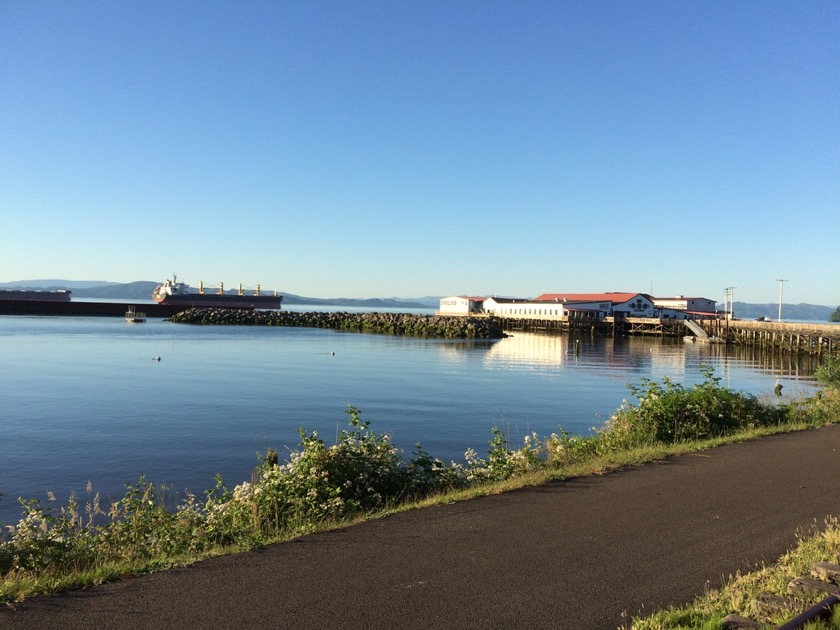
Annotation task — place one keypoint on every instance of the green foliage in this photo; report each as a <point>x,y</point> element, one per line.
<point>564,449</point>
<point>363,471</point>
<point>503,462</point>
<point>835,316</point>
<point>142,527</point>
<point>669,413</point>
<point>46,537</point>
<point>828,372</point>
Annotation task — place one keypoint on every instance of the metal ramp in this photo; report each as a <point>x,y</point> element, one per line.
<point>696,329</point>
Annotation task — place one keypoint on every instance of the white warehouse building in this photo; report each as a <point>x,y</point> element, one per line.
<point>580,305</point>
<point>693,306</point>
<point>461,305</point>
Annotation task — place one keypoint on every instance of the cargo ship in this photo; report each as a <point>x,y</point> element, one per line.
<point>177,293</point>
<point>29,295</point>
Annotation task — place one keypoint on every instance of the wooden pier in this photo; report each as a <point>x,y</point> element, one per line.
<point>594,326</point>
<point>813,339</point>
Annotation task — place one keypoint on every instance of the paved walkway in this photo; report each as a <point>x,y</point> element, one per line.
<point>575,554</point>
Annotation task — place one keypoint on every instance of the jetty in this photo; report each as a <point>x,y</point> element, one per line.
<point>89,309</point>
<point>431,326</point>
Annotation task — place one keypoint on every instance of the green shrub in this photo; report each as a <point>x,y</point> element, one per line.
<point>828,372</point>
<point>564,449</point>
<point>47,537</point>
<point>362,471</point>
<point>668,412</point>
<point>502,461</point>
<point>142,527</point>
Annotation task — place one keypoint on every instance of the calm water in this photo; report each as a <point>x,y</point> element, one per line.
<point>81,399</point>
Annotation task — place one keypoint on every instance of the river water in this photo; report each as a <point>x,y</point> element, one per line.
<point>86,399</point>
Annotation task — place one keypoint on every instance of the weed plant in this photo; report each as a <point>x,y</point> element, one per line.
<point>362,474</point>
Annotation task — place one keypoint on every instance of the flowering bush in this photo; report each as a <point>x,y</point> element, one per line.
<point>503,462</point>
<point>362,471</point>
<point>45,537</point>
<point>565,449</point>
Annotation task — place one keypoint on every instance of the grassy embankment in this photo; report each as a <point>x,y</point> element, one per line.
<point>743,594</point>
<point>363,476</point>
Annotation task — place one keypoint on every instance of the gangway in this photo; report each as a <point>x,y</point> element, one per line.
<point>696,329</point>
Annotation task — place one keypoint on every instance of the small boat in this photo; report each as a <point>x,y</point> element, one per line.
<point>133,317</point>
<point>713,340</point>
<point>689,338</point>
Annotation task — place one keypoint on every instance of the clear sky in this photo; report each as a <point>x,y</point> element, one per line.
<point>380,148</point>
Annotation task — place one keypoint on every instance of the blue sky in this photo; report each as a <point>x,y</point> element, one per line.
<point>374,149</point>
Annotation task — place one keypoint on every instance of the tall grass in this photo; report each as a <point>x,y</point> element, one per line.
<point>55,546</point>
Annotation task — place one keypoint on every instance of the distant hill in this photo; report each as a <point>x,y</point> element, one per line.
<point>54,285</point>
<point>140,290</point>
<point>300,300</point>
<point>807,312</point>
<point>428,301</point>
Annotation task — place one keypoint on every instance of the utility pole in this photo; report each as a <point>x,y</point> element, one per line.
<point>781,282</point>
<point>729,302</point>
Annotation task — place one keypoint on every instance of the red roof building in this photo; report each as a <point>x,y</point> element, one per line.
<point>614,297</point>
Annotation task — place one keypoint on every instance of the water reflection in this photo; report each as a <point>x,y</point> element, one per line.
<point>772,361</point>
<point>652,357</point>
<point>462,351</point>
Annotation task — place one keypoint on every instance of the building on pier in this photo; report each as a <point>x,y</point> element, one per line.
<point>525,308</point>
<point>632,314</point>
<point>461,305</point>
<point>560,306</point>
<point>615,304</point>
<point>682,307</point>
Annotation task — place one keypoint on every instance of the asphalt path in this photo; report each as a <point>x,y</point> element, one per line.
<point>576,554</point>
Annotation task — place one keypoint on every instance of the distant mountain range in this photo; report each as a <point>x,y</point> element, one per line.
<point>807,312</point>
<point>142,290</point>
<point>54,285</point>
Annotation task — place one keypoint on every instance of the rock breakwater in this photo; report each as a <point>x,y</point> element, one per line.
<point>386,323</point>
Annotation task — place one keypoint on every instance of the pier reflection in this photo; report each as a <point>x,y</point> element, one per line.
<point>538,351</point>
<point>773,361</point>
<point>653,356</point>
